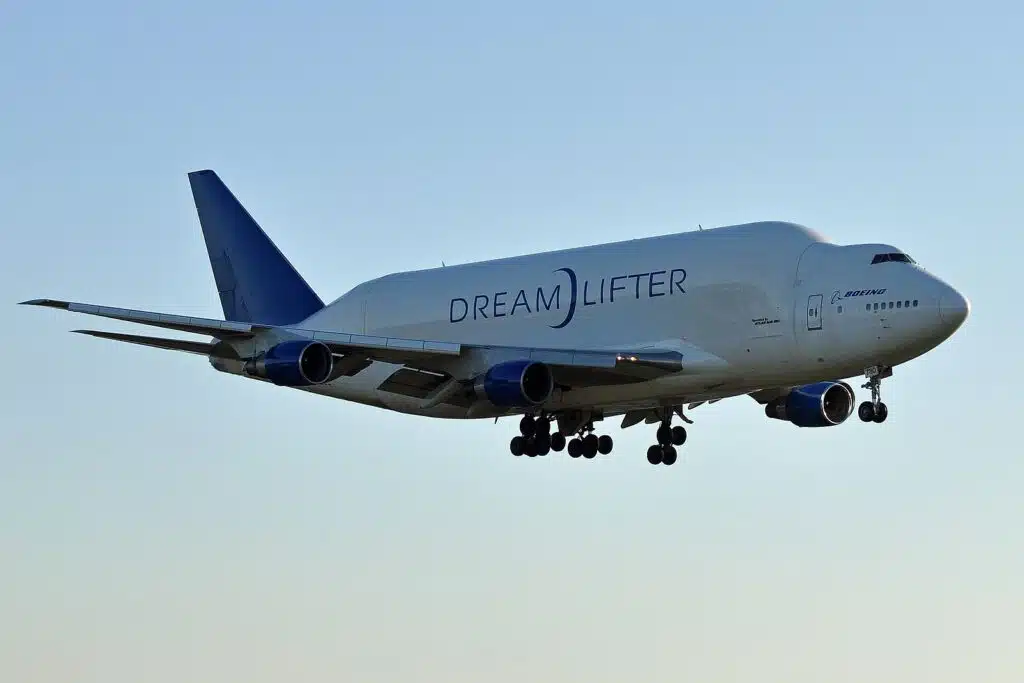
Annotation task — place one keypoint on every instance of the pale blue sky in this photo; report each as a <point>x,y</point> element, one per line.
<point>162,522</point>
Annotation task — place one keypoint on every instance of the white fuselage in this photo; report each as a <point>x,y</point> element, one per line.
<point>776,302</point>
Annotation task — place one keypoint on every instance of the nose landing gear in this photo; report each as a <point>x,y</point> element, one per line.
<point>874,410</point>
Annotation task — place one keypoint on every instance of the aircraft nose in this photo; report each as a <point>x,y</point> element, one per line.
<point>954,308</point>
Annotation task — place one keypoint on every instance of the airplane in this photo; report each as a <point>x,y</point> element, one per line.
<point>645,329</point>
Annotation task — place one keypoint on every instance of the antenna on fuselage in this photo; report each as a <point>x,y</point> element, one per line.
<point>700,227</point>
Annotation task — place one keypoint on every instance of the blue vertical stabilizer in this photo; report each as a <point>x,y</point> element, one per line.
<point>256,282</point>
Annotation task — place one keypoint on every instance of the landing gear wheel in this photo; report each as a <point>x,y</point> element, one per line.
<point>530,449</point>
<point>517,445</point>
<point>874,411</point>
<point>654,455</point>
<point>542,426</point>
<point>527,426</point>
<point>678,435</point>
<point>668,455</point>
<point>557,442</point>
<point>590,444</point>
<point>604,444</point>
<point>664,435</point>
<point>575,448</point>
<point>543,447</point>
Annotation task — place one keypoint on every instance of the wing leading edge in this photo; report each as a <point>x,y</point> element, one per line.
<point>572,367</point>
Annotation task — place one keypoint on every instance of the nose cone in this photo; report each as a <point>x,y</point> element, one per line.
<point>953,309</point>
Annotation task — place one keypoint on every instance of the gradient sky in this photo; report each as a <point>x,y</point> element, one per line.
<point>163,522</point>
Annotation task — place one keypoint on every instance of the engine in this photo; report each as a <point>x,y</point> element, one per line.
<point>293,364</point>
<point>518,383</point>
<point>824,404</point>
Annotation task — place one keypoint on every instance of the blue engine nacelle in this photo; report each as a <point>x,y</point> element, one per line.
<point>516,384</point>
<point>294,364</point>
<point>824,404</point>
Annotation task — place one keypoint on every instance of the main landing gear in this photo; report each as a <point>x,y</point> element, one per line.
<point>874,410</point>
<point>536,439</point>
<point>664,452</point>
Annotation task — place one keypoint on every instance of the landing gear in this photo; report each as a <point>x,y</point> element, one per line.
<point>557,442</point>
<point>659,455</point>
<point>536,439</point>
<point>590,445</point>
<point>874,410</point>
<point>669,437</point>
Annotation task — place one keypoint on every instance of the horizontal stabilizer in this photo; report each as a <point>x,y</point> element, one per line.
<point>201,348</point>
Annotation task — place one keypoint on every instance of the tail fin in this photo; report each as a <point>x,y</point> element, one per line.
<point>256,282</point>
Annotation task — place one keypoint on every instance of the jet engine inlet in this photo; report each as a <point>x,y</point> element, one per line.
<point>294,364</point>
<point>824,404</point>
<point>516,384</point>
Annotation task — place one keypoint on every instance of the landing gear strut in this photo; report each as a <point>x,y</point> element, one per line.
<point>664,452</point>
<point>874,410</point>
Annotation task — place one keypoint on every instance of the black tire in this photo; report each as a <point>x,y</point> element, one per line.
<point>866,411</point>
<point>678,435</point>
<point>527,426</point>
<point>589,446</point>
<point>517,445</point>
<point>669,455</point>
<point>664,435</point>
<point>557,442</point>
<point>543,442</point>
<point>530,450</point>
<point>654,455</point>
<point>542,426</point>
<point>881,412</point>
<point>575,448</point>
<point>604,444</point>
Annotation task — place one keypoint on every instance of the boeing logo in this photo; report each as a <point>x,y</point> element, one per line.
<point>836,296</point>
<point>595,292</point>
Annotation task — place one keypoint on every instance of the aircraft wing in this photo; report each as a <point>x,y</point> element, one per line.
<point>571,367</point>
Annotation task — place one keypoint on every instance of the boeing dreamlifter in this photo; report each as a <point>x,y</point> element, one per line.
<point>640,329</point>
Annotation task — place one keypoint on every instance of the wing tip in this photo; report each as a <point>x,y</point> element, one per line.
<point>49,303</point>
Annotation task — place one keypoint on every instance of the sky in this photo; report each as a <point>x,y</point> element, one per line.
<point>160,521</point>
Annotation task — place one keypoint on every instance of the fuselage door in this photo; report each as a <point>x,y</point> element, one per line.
<point>814,302</point>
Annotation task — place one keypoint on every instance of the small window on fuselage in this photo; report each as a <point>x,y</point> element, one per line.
<point>899,304</point>
<point>915,303</point>
<point>876,306</point>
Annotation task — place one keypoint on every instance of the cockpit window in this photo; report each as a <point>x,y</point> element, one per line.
<point>901,258</point>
